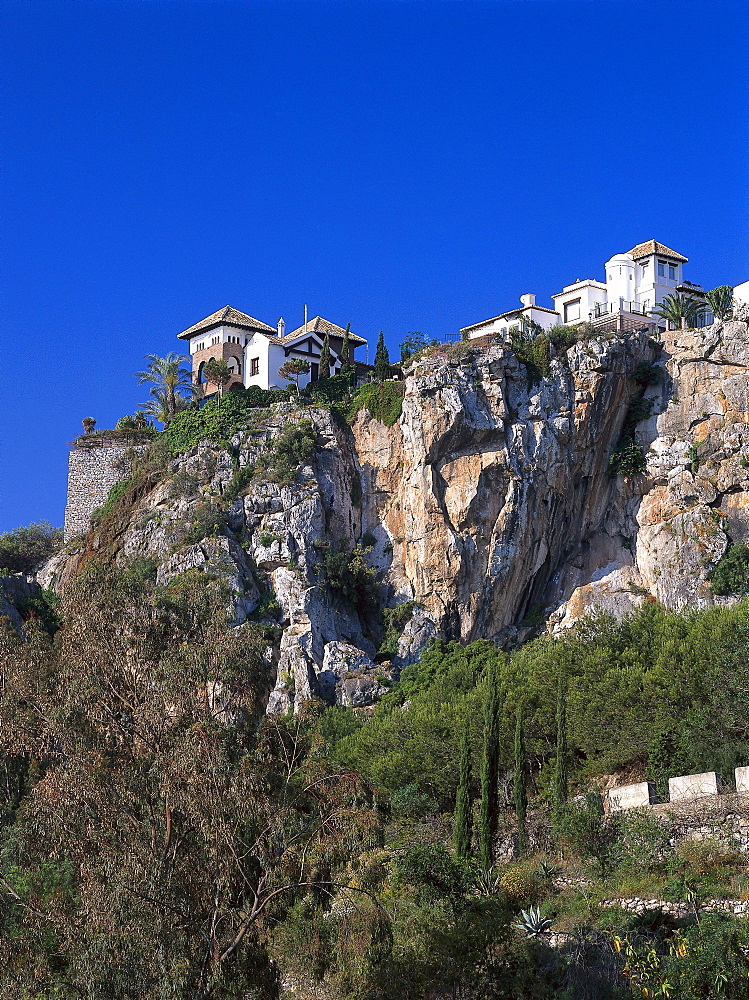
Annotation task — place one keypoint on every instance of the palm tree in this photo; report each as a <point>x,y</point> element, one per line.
<point>219,373</point>
<point>720,301</point>
<point>679,310</point>
<point>168,376</point>
<point>161,408</point>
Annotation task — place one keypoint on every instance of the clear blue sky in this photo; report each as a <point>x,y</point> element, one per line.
<point>396,165</point>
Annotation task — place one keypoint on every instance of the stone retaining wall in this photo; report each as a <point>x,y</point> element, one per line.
<point>92,472</point>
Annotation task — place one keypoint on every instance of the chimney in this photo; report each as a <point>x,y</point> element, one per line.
<point>281,326</point>
<point>529,299</point>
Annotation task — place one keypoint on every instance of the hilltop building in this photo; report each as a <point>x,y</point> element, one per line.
<point>636,283</point>
<point>255,351</point>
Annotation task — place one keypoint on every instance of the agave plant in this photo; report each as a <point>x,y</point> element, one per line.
<point>679,310</point>
<point>720,301</point>
<point>532,923</point>
<point>487,882</point>
<point>548,871</point>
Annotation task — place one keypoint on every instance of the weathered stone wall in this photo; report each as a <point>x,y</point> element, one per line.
<point>92,472</point>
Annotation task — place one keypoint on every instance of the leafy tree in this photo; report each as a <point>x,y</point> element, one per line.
<point>133,422</point>
<point>27,548</point>
<point>324,369</point>
<point>463,812</point>
<point>293,369</point>
<point>520,794</point>
<point>415,341</point>
<point>382,359</point>
<point>162,808</point>
<point>160,407</point>
<point>678,309</point>
<point>720,301</point>
<point>561,761</point>
<point>218,372</point>
<point>169,377</point>
<point>489,815</point>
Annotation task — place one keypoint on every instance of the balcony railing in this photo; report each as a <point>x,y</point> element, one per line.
<point>625,306</point>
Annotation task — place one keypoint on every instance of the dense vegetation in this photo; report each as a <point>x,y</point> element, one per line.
<point>26,548</point>
<point>159,841</point>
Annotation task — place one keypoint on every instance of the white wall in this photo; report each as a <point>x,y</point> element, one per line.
<point>589,292</point>
<point>741,292</point>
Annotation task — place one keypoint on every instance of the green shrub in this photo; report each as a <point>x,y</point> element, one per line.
<point>731,575</point>
<point>116,493</point>
<point>43,607</point>
<point>395,620</point>
<point>384,400</point>
<point>411,803</point>
<point>346,573</point>
<point>206,520</point>
<point>647,374</point>
<point>330,390</point>
<point>25,549</point>
<point>535,355</point>
<point>294,447</point>
<point>218,421</point>
<point>627,460</point>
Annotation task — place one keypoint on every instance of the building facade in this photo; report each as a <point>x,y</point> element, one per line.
<point>255,352</point>
<point>636,283</point>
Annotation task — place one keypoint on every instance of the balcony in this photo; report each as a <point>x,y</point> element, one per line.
<point>624,317</point>
<point>610,308</point>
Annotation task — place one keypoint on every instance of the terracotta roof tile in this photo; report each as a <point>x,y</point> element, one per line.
<point>227,315</point>
<point>322,326</point>
<point>652,247</point>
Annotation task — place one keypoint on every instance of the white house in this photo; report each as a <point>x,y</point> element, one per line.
<point>255,351</point>
<point>511,320</point>
<point>636,283</point>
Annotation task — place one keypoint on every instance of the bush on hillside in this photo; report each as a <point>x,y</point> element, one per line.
<point>731,575</point>
<point>384,400</point>
<point>218,421</point>
<point>25,549</point>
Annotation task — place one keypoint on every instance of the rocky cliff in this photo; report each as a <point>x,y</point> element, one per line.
<point>488,504</point>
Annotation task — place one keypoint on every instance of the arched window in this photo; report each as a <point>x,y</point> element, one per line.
<point>200,376</point>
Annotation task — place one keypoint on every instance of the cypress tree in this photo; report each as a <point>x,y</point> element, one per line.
<point>347,366</point>
<point>324,368</point>
<point>560,768</point>
<point>382,359</point>
<point>462,829</point>
<point>519,791</point>
<point>489,815</point>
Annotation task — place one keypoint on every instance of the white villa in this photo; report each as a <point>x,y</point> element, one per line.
<point>636,282</point>
<point>255,351</point>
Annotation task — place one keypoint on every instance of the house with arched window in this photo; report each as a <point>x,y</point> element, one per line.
<point>255,351</point>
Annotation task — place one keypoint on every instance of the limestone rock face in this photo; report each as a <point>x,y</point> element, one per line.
<point>491,496</point>
<point>488,503</point>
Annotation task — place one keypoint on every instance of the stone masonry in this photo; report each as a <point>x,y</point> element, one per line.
<point>92,472</point>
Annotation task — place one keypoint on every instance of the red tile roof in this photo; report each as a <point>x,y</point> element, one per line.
<point>652,247</point>
<point>233,317</point>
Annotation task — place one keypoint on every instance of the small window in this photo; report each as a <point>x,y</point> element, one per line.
<point>671,271</point>
<point>572,311</point>
<point>661,269</point>
<point>254,366</point>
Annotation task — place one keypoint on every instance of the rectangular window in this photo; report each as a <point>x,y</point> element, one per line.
<point>254,366</point>
<point>314,372</point>
<point>671,271</point>
<point>572,311</point>
<point>661,269</point>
